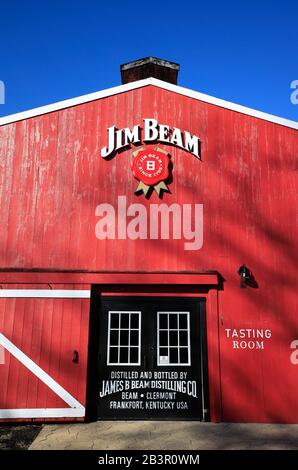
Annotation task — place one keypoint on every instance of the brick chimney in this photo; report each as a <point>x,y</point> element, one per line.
<point>149,67</point>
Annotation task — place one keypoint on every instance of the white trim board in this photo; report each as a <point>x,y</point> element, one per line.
<point>45,293</point>
<point>142,83</point>
<point>17,413</point>
<point>75,410</point>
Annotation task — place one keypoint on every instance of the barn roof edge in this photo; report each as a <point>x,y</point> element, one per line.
<point>140,84</point>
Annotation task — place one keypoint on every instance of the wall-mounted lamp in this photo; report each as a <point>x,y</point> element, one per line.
<point>245,275</point>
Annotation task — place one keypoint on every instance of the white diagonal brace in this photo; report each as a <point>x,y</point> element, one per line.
<point>40,373</point>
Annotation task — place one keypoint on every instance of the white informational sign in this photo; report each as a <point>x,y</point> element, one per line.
<point>248,338</point>
<point>164,360</point>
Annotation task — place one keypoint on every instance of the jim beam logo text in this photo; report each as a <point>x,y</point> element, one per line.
<point>119,139</point>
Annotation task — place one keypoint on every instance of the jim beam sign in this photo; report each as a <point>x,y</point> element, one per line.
<point>150,165</point>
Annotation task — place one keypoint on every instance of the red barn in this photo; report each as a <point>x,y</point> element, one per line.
<point>148,257</point>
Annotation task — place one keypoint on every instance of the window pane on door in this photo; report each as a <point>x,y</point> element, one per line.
<point>134,355</point>
<point>124,338</point>
<point>134,320</point>
<point>114,337</point>
<point>183,321</point>
<point>183,338</point>
<point>124,320</point>
<point>173,333</point>
<point>163,338</point>
<point>124,335</point>
<point>163,321</point>
<point>173,321</point>
<point>114,355</point>
<point>123,356</point>
<point>114,320</point>
<point>184,356</point>
<point>173,338</point>
<point>134,337</point>
<point>174,356</point>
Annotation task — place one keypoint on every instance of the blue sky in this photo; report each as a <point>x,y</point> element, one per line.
<point>244,52</point>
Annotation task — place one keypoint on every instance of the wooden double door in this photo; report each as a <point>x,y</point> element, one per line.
<point>152,359</point>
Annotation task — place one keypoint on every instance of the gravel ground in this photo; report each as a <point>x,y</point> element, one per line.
<point>18,437</point>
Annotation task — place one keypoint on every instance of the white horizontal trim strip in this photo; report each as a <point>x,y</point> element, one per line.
<point>40,373</point>
<point>46,293</point>
<point>42,413</point>
<point>142,83</point>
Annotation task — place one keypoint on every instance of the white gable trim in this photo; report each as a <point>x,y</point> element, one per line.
<point>142,83</point>
<point>73,102</point>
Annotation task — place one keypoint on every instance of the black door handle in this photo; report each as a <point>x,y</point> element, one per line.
<point>75,357</point>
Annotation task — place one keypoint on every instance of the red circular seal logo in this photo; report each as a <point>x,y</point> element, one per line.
<point>151,166</point>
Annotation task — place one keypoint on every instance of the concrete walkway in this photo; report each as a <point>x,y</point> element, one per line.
<point>166,435</point>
